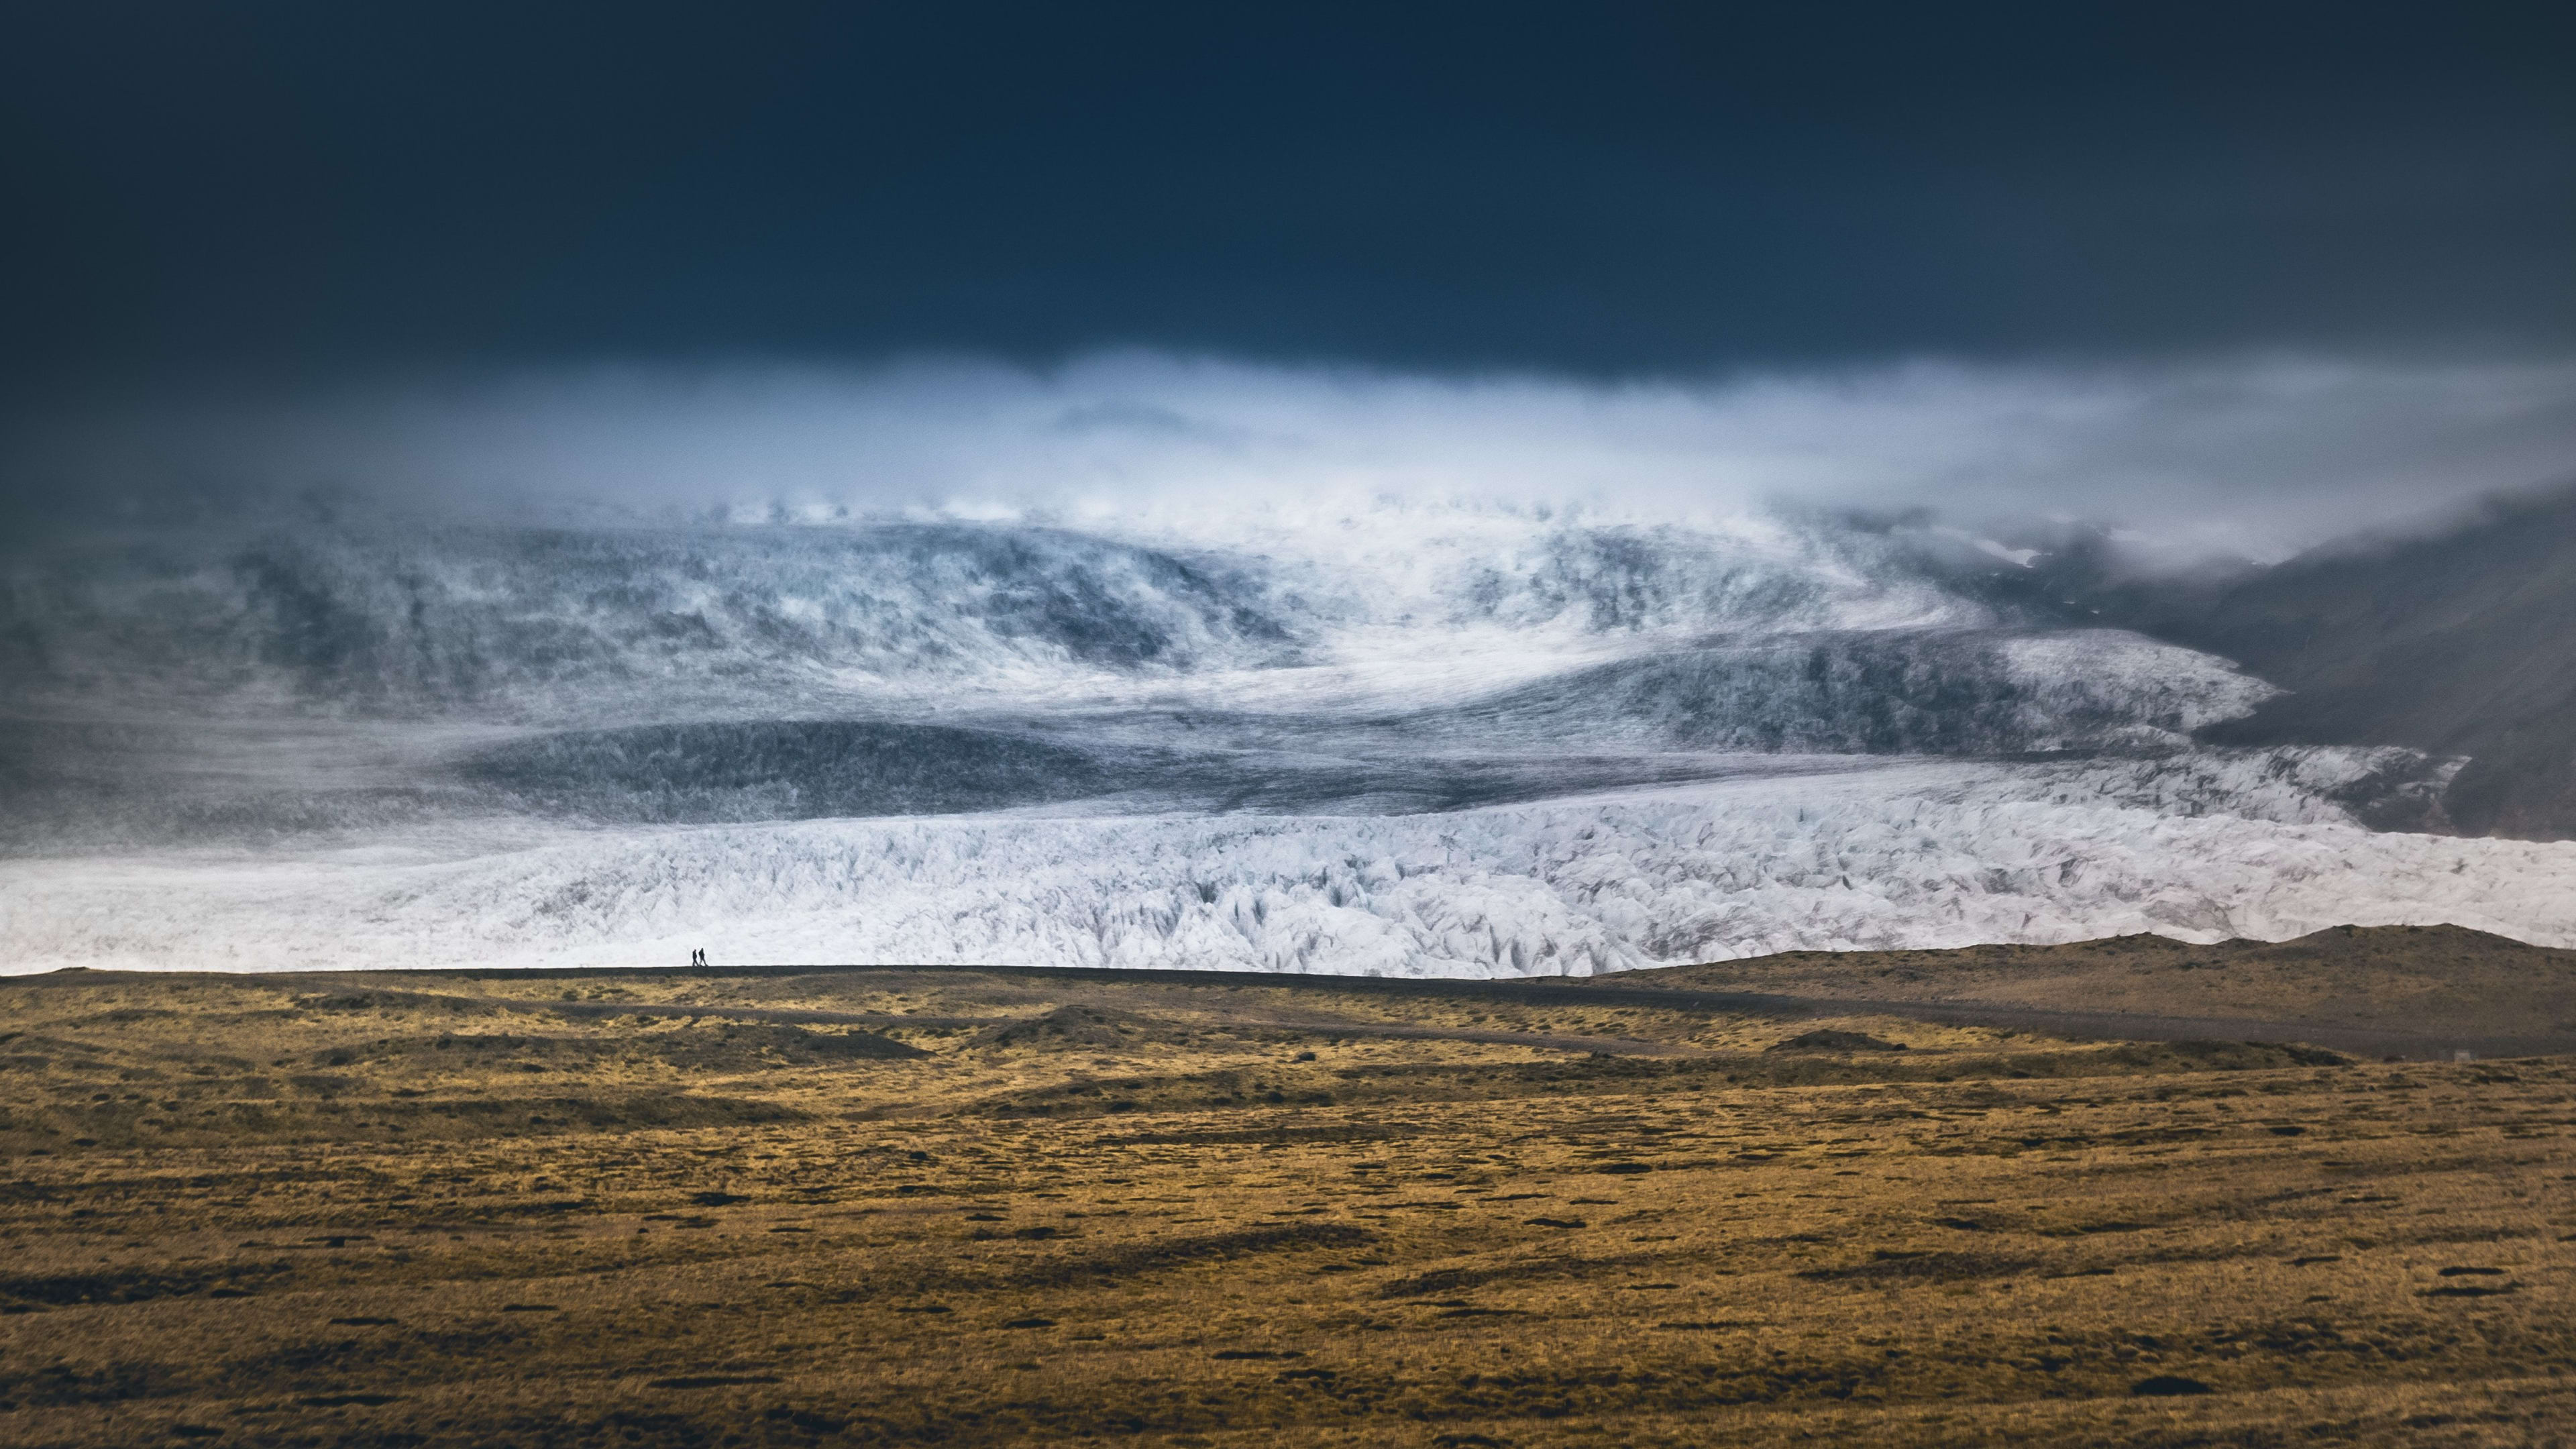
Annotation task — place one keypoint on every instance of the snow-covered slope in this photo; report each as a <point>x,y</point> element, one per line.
<point>559,623</point>
<point>1889,691</point>
<point>592,623</point>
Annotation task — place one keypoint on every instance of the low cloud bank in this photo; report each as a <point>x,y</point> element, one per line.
<point>2254,456</point>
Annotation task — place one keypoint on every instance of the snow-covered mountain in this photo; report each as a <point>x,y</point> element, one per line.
<point>1396,737</point>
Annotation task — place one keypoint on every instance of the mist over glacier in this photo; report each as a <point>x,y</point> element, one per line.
<point>1160,663</point>
<point>2260,453</point>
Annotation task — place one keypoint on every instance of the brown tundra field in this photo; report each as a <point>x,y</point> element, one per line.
<point>2130,1192</point>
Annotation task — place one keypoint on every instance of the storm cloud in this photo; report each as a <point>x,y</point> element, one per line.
<point>283,191</point>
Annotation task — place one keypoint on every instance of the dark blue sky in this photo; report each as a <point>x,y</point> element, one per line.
<point>289,192</point>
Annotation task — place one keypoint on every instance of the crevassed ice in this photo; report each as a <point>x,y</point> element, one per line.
<point>1909,854</point>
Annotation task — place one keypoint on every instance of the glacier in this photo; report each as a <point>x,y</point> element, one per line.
<point>1889,854</point>
<point>1388,738</point>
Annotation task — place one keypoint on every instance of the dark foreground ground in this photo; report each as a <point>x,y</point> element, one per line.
<point>961,1208</point>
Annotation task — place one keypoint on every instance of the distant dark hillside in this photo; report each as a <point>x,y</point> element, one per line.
<point>2462,644</point>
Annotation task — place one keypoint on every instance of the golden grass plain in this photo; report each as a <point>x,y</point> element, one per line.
<point>956,1208</point>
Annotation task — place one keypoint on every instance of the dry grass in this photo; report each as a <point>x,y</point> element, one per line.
<point>965,1209</point>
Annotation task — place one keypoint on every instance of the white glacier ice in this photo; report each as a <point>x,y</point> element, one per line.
<point>1901,853</point>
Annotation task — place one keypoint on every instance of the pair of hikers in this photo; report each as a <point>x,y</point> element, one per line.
<point>698,957</point>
